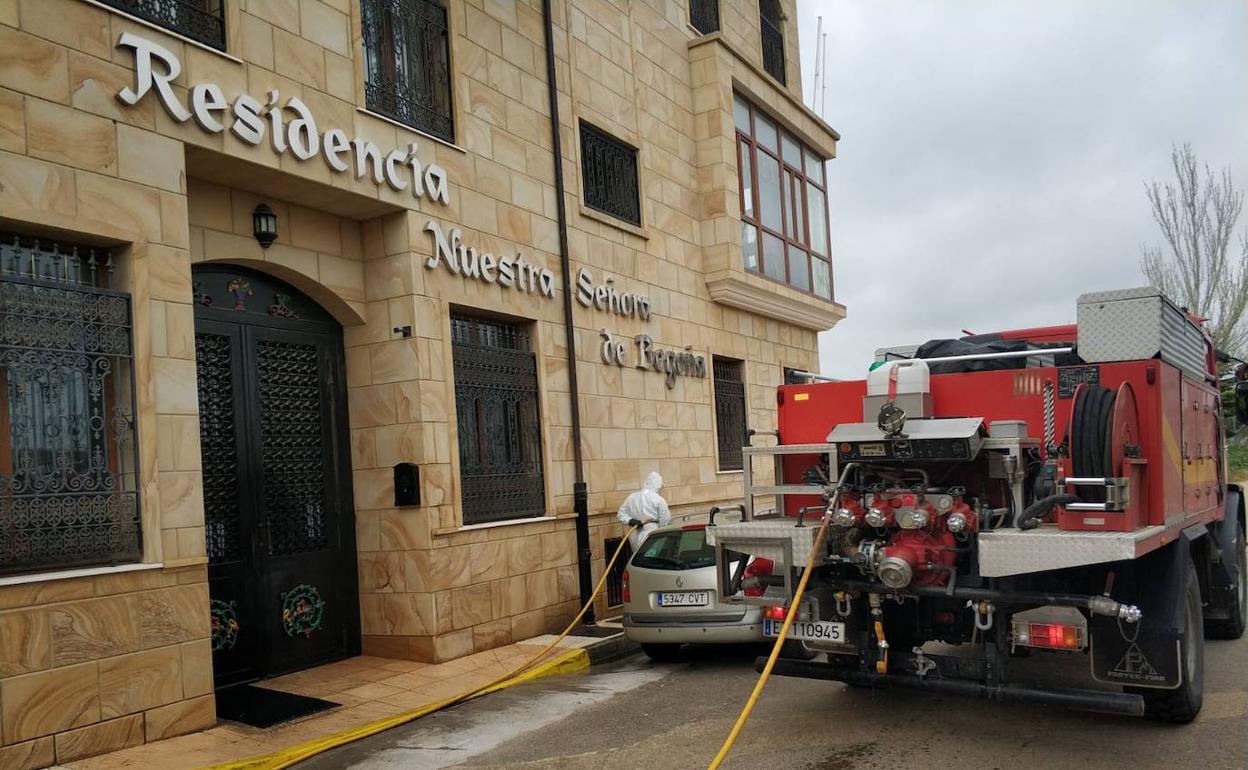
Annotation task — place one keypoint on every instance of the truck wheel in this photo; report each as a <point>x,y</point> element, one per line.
<point>1232,626</point>
<point>1181,705</point>
<point>661,653</point>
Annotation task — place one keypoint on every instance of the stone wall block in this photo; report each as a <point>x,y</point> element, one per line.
<point>180,718</point>
<point>196,668</point>
<point>148,158</point>
<point>30,755</point>
<point>34,66</point>
<point>35,705</point>
<point>12,121</point>
<point>25,642</point>
<point>85,631</point>
<point>174,615</point>
<point>140,681</point>
<point>114,735</point>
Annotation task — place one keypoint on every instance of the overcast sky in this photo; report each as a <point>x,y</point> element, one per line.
<point>993,152</point>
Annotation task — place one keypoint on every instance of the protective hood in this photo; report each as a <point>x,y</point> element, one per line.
<point>654,482</point>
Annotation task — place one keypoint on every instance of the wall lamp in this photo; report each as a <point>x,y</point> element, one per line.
<point>264,225</point>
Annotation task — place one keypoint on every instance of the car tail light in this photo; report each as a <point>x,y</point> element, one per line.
<point>1049,636</point>
<point>693,526</point>
<point>775,613</point>
<point>628,597</point>
<point>755,579</point>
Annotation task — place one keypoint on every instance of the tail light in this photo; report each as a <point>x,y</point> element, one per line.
<point>1049,636</point>
<point>755,579</point>
<point>775,613</point>
<point>628,596</point>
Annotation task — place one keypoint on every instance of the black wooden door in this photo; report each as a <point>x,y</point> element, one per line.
<point>277,494</point>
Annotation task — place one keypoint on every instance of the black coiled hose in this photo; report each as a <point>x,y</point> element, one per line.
<point>1091,439</point>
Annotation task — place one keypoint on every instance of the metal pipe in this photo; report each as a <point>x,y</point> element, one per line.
<point>985,356</point>
<point>580,492</point>
<point>1096,604</point>
<point>1102,701</point>
<point>813,376</point>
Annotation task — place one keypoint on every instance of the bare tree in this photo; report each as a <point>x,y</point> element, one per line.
<point>1197,215</point>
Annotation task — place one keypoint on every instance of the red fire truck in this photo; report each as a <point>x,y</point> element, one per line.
<point>1060,489</point>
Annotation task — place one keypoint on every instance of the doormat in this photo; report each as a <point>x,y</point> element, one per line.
<point>261,707</point>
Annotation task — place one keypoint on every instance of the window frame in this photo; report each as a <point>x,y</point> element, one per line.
<point>133,9</point>
<point>86,273</point>
<point>583,127</point>
<point>788,174</point>
<point>739,364</point>
<point>777,29</point>
<point>386,54</point>
<point>712,8</point>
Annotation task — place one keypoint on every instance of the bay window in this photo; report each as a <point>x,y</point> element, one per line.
<point>784,211</point>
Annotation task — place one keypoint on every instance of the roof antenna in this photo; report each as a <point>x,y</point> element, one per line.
<point>814,88</point>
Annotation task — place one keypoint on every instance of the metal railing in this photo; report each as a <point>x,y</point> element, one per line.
<point>200,20</point>
<point>704,15</point>
<point>772,27</point>
<point>407,75</point>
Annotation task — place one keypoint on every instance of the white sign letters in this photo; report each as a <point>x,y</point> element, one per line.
<point>156,67</point>
<point>509,272</point>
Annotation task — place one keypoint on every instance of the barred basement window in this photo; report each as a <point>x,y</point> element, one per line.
<point>68,461</point>
<point>729,411</point>
<point>498,420</point>
<point>407,63</point>
<point>609,174</point>
<point>771,22</point>
<point>201,20</point>
<point>704,15</point>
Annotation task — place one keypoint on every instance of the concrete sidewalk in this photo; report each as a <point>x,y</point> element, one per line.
<point>370,690</point>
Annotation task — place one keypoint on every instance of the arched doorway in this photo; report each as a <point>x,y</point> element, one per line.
<point>274,446</point>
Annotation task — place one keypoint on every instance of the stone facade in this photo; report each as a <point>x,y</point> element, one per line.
<point>97,660</point>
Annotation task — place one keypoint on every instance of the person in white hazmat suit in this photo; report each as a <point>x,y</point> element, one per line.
<point>645,509</point>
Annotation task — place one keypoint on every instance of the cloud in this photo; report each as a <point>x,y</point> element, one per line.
<point>993,154</point>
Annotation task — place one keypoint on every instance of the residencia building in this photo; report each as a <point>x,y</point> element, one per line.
<point>304,306</point>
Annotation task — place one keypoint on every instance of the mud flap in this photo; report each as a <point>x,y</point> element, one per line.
<point>1146,654</point>
<point>1224,570</point>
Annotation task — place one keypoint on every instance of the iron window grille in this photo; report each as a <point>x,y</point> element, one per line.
<point>68,462</point>
<point>729,411</point>
<point>704,15</point>
<point>609,173</point>
<point>498,420</point>
<point>615,580</point>
<point>407,64</point>
<point>201,20</point>
<point>784,212</point>
<point>771,22</point>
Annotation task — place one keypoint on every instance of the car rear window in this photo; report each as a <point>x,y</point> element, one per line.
<point>677,549</point>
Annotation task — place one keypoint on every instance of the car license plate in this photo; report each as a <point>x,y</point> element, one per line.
<point>807,630</point>
<point>685,599</point>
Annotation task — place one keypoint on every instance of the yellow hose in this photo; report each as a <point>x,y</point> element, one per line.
<point>296,754</point>
<point>775,651</point>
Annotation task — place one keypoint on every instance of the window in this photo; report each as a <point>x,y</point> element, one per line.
<point>704,15</point>
<point>615,579</point>
<point>407,64</point>
<point>771,22</point>
<point>68,476</point>
<point>676,550</point>
<point>609,174</point>
<point>499,424</point>
<point>200,20</point>
<point>729,411</point>
<point>784,212</point>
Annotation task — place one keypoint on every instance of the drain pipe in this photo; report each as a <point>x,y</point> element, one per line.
<point>580,493</point>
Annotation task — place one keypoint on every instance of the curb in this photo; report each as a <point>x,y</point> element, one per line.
<point>611,649</point>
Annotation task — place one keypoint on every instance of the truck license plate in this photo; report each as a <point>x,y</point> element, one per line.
<point>684,599</point>
<point>807,630</point>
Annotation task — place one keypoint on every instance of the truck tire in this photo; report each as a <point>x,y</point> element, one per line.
<point>1232,626</point>
<point>661,653</point>
<point>1182,704</point>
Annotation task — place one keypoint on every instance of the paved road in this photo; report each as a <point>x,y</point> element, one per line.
<point>634,714</point>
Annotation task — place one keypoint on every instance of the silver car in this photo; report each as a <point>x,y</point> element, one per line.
<point>670,596</point>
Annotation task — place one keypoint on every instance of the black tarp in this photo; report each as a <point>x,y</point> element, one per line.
<point>981,344</point>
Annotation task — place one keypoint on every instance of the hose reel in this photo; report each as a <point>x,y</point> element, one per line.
<point>1104,435</point>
